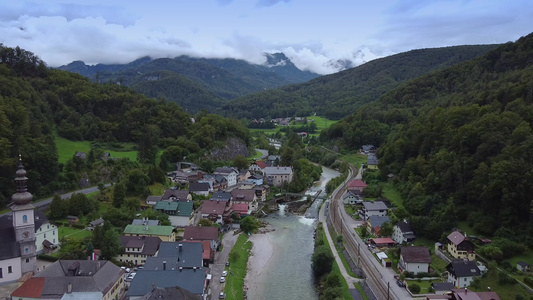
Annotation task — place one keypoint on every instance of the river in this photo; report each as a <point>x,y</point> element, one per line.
<point>288,274</point>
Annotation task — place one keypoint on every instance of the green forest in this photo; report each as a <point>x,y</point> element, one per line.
<point>337,95</point>
<point>37,102</point>
<point>458,143</point>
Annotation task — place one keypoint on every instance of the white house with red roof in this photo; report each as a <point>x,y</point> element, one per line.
<point>258,167</point>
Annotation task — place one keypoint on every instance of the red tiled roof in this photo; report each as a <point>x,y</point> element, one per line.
<point>32,288</point>
<point>357,183</point>
<point>241,208</point>
<point>200,233</point>
<point>261,164</point>
<point>213,207</point>
<point>383,241</point>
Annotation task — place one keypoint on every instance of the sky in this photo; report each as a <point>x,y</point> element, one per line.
<point>315,34</point>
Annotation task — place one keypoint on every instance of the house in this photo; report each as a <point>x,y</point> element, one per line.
<point>461,272</point>
<point>356,186</point>
<point>382,242</point>
<point>152,200</point>
<point>366,149</point>
<point>222,196</point>
<point>414,259</point>
<point>74,279</point>
<point>46,234</point>
<point>97,222</point>
<point>165,233</point>
<point>173,194</point>
<point>208,254</point>
<point>241,209</point>
<point>402,233</point>
<point>441,288</point>
<point>523,266</point>
<point>229,173</point>
<point>245,196</point>
<point>199,188</point>
<point>351,198</point>
<point>277,176</point>
<point>199,233</point>
<point>374,224</point>
<point>243,175</point>
<point>460,247</point>
<point>216,182</point>
<point>73,220</point>
<point>179,213</point>
<point>372,161</point>
<point>257,167</point>
<point>177,264</point>
<point>185,176</point>
<point>465,294</point>
<point>376,208</point>
<point>80,155</point>
<point>256,179</point>
<point>262,192</point>
<point>144,222</point>
<point>272,161</point>
<point>138,248</point>
<point>214,211</point>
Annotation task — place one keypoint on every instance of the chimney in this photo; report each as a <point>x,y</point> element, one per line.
<point>69,288</point>
<point>181,268</point>
<point>164,265</point>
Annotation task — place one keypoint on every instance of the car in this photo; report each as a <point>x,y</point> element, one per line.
<point>131,275</point>
<point>227,264</point>
<point>222,279</point>
<point>224,273</point>
<point>222,295</point>
<point>400,283</point>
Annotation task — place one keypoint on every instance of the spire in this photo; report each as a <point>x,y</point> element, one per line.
<point>22,196</point>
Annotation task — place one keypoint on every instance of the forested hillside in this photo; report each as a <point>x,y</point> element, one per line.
<point>337,95</point>
<point>35,102</point>
<point>459,142</point>
<point>196,83</point>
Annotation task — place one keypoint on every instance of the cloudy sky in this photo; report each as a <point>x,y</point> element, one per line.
<point>314,34</point>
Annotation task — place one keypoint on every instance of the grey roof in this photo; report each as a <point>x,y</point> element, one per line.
<point>442,286</point>
<point>415,254</point>
<point>96,222</point>
<point>199,187</point>
<point>404,227</point>
<point>91,276</point>
<point>378,220</point>
<point>350,194</point>
<point>225,170</point>
<point>83,296</point>
<point>277,171</point>
<point>189,279</point>
<point>153,198</point>
<point>463,268</point>
<point>176,254</point>
<point>174,293</point>
<point>221,196</point>
<point>372,159</point>
<point>145,222</point>
<point>179,194</point>
<point>376,205</point>
<point>10,248</point>
<point>273,157</point>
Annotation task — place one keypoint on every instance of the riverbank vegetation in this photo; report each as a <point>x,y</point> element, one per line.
<point>238,258</point>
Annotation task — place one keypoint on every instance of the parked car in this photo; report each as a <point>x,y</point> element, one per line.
<point>224,273</point>
<point>222,279</point>
<point>227,264</point>
<point>222,295</point>
<point>400,283</point>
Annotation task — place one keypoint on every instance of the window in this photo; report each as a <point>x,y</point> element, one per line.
<point>53,232</point>
<point>10,269</point>
<point>1,274</point>
<point>24,219</point>
<point>26,250</point>
<point>27,259</point>
<point>48,226</point>
<point>45,235</point>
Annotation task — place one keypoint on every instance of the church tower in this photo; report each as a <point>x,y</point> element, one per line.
<point>23,221</point>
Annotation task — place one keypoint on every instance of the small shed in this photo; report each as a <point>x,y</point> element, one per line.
<point>73,220</point>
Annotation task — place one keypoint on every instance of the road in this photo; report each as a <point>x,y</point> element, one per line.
<point>380,279</point>
<point>228,241</point>
<point>44,203</point>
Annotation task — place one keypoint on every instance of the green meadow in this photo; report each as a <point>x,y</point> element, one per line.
<point>66,149</point>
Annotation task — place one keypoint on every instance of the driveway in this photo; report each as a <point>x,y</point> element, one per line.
<point>228,241</point>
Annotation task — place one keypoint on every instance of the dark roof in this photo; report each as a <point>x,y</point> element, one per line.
<point>376,205</point>
<point>225,170</point>
<point>179,194</point>
<point>523,263</point>
<point>415,254</point>
<point>442,286</point>
<point>189,279</point>
<point>174,293</point>
<point>404,227</point>
<point>10,248</point>
<point>463,268</point>
<point>378,220</point>
<point>221,196</point>
<point>372,159</point>
<point>91,276</point>
<point>243,195</point>
<point>183,254</point>
<point>153,198</point>
<point>213,207</point>
<point>198,186</point>
<point>39,219</point>
<point>200,233</point>
<point>149,244</point>
<point>96,222</point>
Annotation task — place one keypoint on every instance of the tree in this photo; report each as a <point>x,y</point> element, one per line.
<point>110,245</point>
<point>58,208</point>
<point>240,162</point>
<point>119,194</point>
<point>414,288</point>
<point>386,229</point>
<point>322,261</point>
<point>249,224</point>
<point>205,223</point>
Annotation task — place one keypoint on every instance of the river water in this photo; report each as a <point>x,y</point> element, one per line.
<point>288,274</point>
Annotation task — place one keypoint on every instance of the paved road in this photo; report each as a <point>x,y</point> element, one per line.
<point>41,204</point>
<point>228,241</point>
<point>264,153</point>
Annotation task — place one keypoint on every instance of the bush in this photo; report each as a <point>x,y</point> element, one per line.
<point>414,288</point>
<point>78,226</point>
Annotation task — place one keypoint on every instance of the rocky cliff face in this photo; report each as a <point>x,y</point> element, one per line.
<point>231,148</point>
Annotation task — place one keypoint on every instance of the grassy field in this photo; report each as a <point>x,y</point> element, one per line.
<point>66,149</point>
<point>356,159</point>
<point>391,193</point>
<point>424,285</point>
<point>505,291</point>
<point>73,233</point>
<point>321,123</point>
<point>237,271</point>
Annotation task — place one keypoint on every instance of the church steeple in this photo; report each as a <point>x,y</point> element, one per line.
<point>22,196</point>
